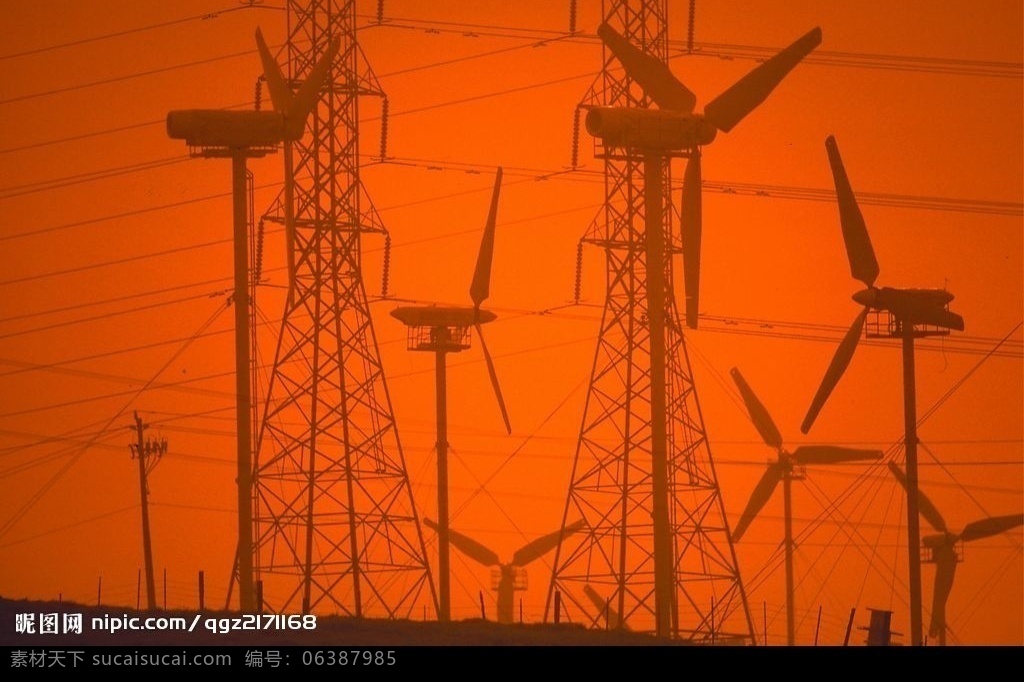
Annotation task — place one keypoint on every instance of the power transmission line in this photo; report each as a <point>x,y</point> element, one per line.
<point>118,34</point>
<point>46,487</point>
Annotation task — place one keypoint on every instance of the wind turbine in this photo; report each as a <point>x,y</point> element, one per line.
<point>675,130</point>
<point>656,135</point>
<point>239,135</point>
<point>912,313</point>
<point>788,467</point>
<point>508,577</point>
<point>942,549</point>
<point>442,330</point>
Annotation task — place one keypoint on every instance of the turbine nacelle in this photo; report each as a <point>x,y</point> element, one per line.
<point>442,316</point>
<point>218,128</point>
<point>939,540</point>
<point>914,306</point>
<point>649,129</point>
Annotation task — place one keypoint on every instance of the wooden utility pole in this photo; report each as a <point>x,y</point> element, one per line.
<point>148,453</point>
<point>849,626</point>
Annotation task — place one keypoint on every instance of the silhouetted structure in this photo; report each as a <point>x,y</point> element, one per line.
<point>899,313</point>
<point>443,330</point>
<point>944,549</point>
<point>788,467</point>
<point>510,577</point>
<point>148,452</point>
<point>336,522</point>
<point>643,477</point>
<point>612,619</point>
<point>879,628</point>
<point>240,135</point>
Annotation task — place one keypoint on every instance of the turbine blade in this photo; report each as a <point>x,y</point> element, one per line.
<point>835,370</point>
<point>762,493</point>
<point>991,526</point>
<point>757,411</point>
<point>652,74</point>
<point>614,619</point>
<point>542,545</point>
<point>467,545</point>
<point>309,93</point>
<point>928,510</point>
<point>729,108</point>
<point>863,264</point>
<point>280,93</point>
<point>494,377</point>
<point>480,288</point>
<point>594,597</point>
<point>830,454</point>
<point>945,569</point>
<point>691,231</point>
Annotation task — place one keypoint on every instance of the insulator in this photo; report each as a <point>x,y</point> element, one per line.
<point>257,271</point>
<point>259,91</point>
<point>572,16</point>
<point>689,32</point>
<point>576,138</point>
<point>384,130</point>
<point>579,271</point>
<point>380,11</point>
<point>387,266</point>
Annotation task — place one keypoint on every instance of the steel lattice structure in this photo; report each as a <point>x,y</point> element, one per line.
<point>612,486</point>
<point>336,525</point>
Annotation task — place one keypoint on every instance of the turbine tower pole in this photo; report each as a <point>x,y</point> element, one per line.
<point>441,330</point>
<point>656,538</point>
<point>336,525</point>
<point>243,389</point>
<point>443,550</point>
<point>787,502</point>
<point>910,443</point>
<point>654,172</point>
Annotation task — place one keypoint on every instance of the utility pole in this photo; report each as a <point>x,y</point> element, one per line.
<point>148,452</point>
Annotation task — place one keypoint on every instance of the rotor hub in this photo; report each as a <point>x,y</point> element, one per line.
<point>866,297</point>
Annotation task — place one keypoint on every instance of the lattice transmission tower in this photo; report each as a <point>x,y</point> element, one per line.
<point>643,468</point>
<point>336,525</point>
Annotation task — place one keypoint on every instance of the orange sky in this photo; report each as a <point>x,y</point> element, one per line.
<point>767,260</point>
